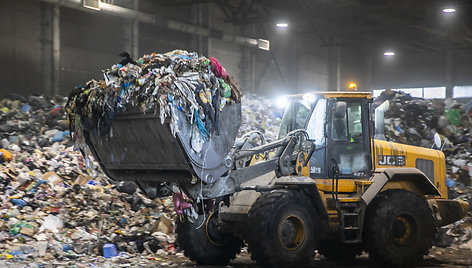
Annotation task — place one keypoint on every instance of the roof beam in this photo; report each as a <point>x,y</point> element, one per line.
<point>150,18</point>
<point>321,13</point>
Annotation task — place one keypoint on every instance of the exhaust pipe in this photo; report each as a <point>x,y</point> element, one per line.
<point>379,120</point>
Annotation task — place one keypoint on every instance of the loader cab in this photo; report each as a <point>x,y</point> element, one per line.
<point>339,126</point>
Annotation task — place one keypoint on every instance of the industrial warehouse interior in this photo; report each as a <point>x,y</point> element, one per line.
<point>235,133</point>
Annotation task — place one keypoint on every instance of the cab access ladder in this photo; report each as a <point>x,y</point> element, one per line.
<point>349,219</point>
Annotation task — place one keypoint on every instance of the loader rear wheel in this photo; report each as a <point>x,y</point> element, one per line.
<point>399,228</point>
<point>209,244</point>
<point>281,229</point>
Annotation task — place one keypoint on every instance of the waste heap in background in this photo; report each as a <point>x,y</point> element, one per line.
<point>52,209</point>
<point>414,121</point>
<point>260,114</point>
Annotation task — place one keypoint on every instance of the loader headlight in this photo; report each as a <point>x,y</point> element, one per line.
<point>282,102</point>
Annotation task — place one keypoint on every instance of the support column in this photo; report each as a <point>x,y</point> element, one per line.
<point>450,83</point>
<point>50,49</point>
<point>338,69</point>
<point>297,64</point>
<point>246,64</point>
<point>46,49</point>
<point>56,50</point>
<point>131,33</point>
<point>253,72</point>
<point>370,86</point>
<point>200,16</point>
<point>246,69</point>
<point>204,20</point>
<point>209,22</point>
<point>331,69</point>
<point>200,42</point>
<point>135,46</point>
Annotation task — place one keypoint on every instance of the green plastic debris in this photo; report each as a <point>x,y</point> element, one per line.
<point>16,228</point>
<point>226,87</point>
<point>454,116</point>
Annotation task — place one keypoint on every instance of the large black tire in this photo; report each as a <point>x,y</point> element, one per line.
<point>205,246</point>
<point>337,251</point>
<point>281,229</point>
<point>399,228</point>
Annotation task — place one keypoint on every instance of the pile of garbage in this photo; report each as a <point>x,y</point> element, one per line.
<point>414,121</point>
<point>51,208</point>
<point>260,114</point>
<point>163,84</point>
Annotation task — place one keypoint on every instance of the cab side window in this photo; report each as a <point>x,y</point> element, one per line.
<point>347,122</point>
<point>348,146</point>
<point>295,117</point>
<point>316,131</point>
<point>316,125</point>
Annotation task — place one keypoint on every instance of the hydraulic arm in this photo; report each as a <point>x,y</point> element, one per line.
<point>283,163</point>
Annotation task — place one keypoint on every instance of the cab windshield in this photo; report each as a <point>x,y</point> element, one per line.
<point>295,117</point>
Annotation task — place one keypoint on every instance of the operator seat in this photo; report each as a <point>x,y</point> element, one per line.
<point>339,122</point>
<point>339,127</point>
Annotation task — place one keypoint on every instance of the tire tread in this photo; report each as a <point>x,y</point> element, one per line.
<point>259,216</point>
<point>377,248</point>
<point>197,247</point>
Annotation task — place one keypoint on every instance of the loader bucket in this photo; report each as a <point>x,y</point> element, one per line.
<point>139,147</point>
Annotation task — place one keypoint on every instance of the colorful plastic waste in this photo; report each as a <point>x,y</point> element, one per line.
<point>157,84</point>
<point>6,155</point>
<point>454,116</point>
<point>109,250</point>
<point>48,210</point>
<point>20,203</point>
<point>181,203</point>
<point>260,114</point>
<point>26,108</point>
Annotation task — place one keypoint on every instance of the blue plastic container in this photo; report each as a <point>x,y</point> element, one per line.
<point>109,250</point>
<point>19,202</point>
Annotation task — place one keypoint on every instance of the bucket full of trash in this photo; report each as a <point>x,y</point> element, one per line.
<point>162,118</point>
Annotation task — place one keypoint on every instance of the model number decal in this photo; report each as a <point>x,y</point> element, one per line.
<point>391,160</point>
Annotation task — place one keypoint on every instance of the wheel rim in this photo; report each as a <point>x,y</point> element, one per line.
<point>403,228</point>
<point>291,233</point>
<point>215,233</point>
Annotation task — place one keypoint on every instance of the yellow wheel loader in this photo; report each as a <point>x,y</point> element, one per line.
<point>329,183</point>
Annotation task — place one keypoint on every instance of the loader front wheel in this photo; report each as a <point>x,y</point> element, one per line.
<point>399,228</point>
<point>205,242</point>
<point>281,229</point>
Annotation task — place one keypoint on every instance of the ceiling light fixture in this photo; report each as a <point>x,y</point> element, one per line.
<point>92,4</point>
<point>389,53</point>
<point>282,25</point>
<point>449,10</point>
